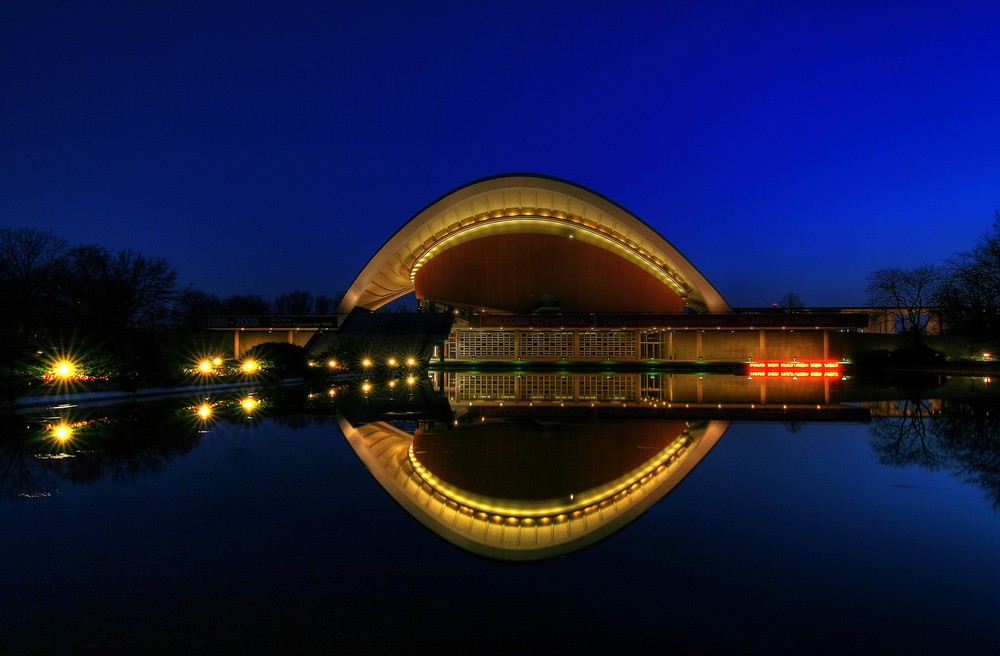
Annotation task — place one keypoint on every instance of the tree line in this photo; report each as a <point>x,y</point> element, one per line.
<point>48,286</point>
<point>122,313</point>
<point>962,293</point>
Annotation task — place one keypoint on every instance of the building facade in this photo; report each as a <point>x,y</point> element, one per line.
<point>535,268</point>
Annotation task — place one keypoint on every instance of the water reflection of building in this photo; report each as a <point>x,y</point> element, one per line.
<point>531,489</point>
<point>645,389</point>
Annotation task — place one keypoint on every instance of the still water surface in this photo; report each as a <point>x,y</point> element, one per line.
<point>272,532</point>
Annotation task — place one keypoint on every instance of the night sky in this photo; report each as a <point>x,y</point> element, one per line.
<point>262,147</point>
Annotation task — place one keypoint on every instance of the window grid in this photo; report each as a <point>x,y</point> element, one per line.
<point>486,344</point>
<point>470,387</point>
<point>546,387</point>
<point>546,344</point>
<point>608,388</point>
<point>607,344</point>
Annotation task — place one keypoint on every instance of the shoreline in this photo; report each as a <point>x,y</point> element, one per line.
<point>41,401</point>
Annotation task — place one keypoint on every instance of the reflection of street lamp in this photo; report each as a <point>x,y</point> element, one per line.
<point>62,432</point>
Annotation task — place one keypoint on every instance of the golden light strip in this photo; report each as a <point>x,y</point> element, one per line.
<point>632,251</point>
<point>544,516</point>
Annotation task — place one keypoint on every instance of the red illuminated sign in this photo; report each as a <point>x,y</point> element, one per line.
<point>794,369</point>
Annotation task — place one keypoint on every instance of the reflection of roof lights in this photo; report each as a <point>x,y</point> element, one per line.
<point>549,514</point>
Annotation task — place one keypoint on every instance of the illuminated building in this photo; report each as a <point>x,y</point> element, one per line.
<point>536,268</point>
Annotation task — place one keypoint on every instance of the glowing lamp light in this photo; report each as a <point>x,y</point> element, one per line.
<point>62,432</point>
<point>248,404</point>
<point>392,384</point>
<point>391,362</point>
<point>366,387</point>
<point>410,380</point>
<point>410,362</point>
<point>64,369</point>
<point>205,366</point>
<point>217,362</point>
<point>367,362</point>
<point>250,366</point>
<point>204,411</point>
<point>332,364</point>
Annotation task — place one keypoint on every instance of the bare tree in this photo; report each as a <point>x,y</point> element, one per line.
<point>908,293</point>
<point>791,301</point>
<point>193,305</point>
<point>113,292</point>
<point>969,294</point>
<point>28,261</point>
<point>297,302</point>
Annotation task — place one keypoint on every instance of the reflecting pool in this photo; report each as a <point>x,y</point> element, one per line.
<point>466,513</point>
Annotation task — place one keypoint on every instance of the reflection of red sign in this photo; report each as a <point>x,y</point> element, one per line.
<point>794,369</point>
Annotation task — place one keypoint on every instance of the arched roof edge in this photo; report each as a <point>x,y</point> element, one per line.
<point>347,304</point>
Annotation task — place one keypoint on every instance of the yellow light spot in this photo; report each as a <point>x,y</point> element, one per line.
<point>250,366</point>
<point>392,383</point>
<point>204,411</point>
<point>410,380</point>
<point>217,362</point>
<point>62,432</point>
<point>64,369</point>
<point>410,362</point>
<point>332,364</point>
<point>366,362</point>
<point>248,404</point>
<point>205,366</point>
<point>366,387</point>
<point>392,362</point>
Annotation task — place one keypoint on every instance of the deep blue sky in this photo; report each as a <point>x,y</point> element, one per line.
<point>264,147</point>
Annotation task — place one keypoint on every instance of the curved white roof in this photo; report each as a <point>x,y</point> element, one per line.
<point>524,203</point>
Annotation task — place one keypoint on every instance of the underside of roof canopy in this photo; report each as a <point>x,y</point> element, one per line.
<point>489,210</point>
